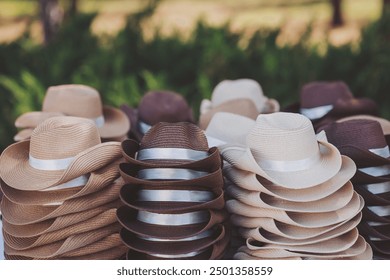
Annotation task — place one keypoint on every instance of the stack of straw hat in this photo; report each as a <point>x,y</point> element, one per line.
<point>76,101</point>
<point>363,140</point>
<point>242,97</point>
<point>61,192</point>
<point>324,102</point>
<point>291,192</point>
<point>154,107</point>
<point>173,196</point>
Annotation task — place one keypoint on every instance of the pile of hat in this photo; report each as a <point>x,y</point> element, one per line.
<point>324,102</point>
<point>61,192</point>
<point>363,139</point>
<point>77,101</point>
<point>173,195</point>
<point>291,190</point>
<point>242,97</point>
<point>154,107</point>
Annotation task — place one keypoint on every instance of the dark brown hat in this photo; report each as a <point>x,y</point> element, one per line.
<point>135,221</point>
<point>154,107</point>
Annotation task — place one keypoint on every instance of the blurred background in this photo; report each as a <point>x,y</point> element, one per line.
<point>124,48</point>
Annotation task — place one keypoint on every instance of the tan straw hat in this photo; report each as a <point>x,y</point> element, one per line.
<point>78,101</point>
<point>282,148</point>
<point>253,182</point>
<point>20,214</point>
<point>61,149</point>
<point>309,220</point>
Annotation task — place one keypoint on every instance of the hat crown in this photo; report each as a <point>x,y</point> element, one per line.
<point>283,137</point>
<point>63,137</point>
<point>317,94</point>
<point>73,100</point>
<point>236,89</point>
<point>365,134</point>
<point>175,135</point>
<point>164,106</point>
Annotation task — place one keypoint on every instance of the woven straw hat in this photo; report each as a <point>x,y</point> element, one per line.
<point>23,134</point>
<point>55,224</point>
<point>271,231</point>
<point>23,243</point>
<point>78,101</point>
<point>252,182</point>
<point>385,124</point>
<point>154,107</point>
<point>282,148</point>
<point>60,149</point>
<point>19,214</point>
<point>333,202</point>
<point>309,220</point>
<point>97,180</point>
<point>242,88</point>
<point>61,247</point>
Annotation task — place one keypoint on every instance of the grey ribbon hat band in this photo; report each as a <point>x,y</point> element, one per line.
<point>170,174</point>
<point>171,153</point>
<point>175,195</point>
<point>206,233</point>
<point>173,219</point>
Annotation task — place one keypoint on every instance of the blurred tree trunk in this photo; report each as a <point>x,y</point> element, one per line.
<point>337,19</point>
<point>386,7</point>
<point>73,8</point>
<point>51,16</point>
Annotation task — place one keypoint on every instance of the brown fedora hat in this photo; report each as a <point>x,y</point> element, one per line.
<point>185,246</point>
<point>372,198</point>
<point>172,200</point>
<point>78,101</point>
<point>380,231</point>
<point>61,149</point>
<point>173,226</point>
<point>23,243</point>
<point>97,180</point>
<point>283,148</point>
<point>253,182</point>
<point>19,214</point>
<point>385,124</point>
<point>66,245</point>
<point>54,224</point>
<point>154,107</point>
<point>323,99</point>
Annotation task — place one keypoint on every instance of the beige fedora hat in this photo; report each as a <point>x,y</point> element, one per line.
<point>66,245</point>
<point>265,236</point>
<point>333,202</point>
<point>253,182</point>
<point>268,229</point>
<point>239,128</point>
<point>23,243</point>
<point>250,89</point>
<point>283,148</point>
<point>333,245</point>
<point>358,248</point>
<point>54,224</point>
<point>19,214</point>
<point>23,134</point>
<point>78,101</point>
<point>309,220</point>
<point>366,255</point>
<point>61,149</point>
<point>97,180</point>
<point>245,256</point>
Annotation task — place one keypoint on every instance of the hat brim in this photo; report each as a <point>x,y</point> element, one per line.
<point>23,134</point>
<point>17,172</point>
<point>116,123</point>
<point>97,180</point>
<point>127,217</point>
<point>19,214</point>
<point>133,242</point>
<point>33,119</point>
<point>333,202</point>
<point>252,182</point>
<point>129,193</point>
<point>325,168</point>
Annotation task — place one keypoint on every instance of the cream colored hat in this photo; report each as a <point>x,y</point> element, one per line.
<point>252,182</point>
<point>61,149</point>
<point>283,148</point>
<point>309,220</point>
<point>78,101</point>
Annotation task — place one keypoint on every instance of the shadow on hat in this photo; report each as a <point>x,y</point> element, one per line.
<point>77,101</point>
<point>154,107</point>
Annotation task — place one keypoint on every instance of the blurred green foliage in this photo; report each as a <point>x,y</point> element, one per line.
<point>123,68</point>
